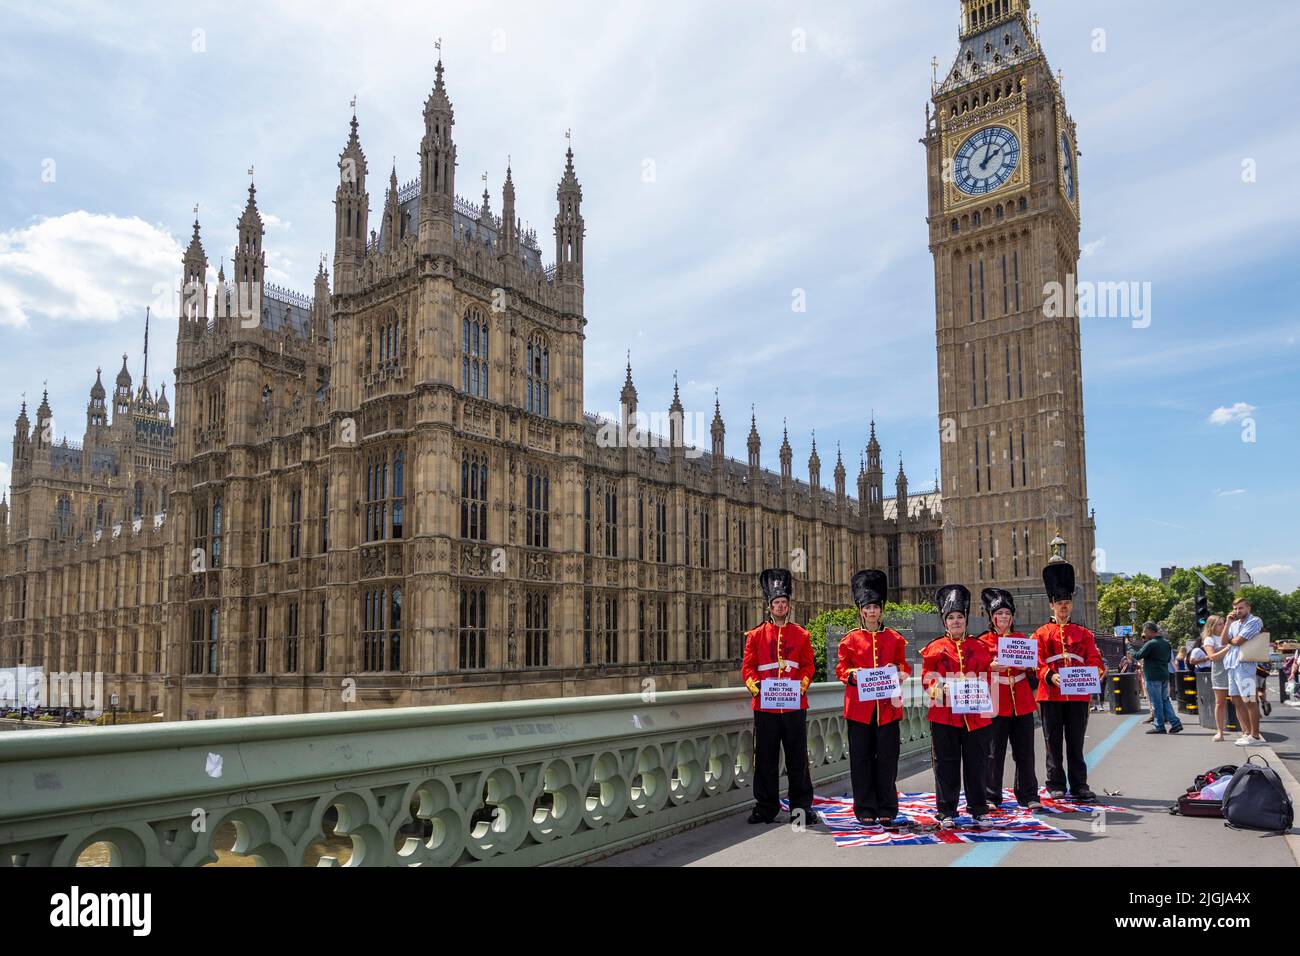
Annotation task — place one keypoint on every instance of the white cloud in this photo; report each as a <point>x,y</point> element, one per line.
<point>1225,416</point>
<point>1092,248</point>
<point>1234,491</point>
<point>1284,577</point>
<point>83,266</point>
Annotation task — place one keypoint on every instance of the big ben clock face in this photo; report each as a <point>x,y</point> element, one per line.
<point>986,160</point>
<point>1067,169</point>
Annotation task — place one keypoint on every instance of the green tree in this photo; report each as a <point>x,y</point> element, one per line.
<point>1272,607</point>
<point>1154,601</point>
<point>1180,624</point>
<point>846,618</point>
<point>1184,582</point>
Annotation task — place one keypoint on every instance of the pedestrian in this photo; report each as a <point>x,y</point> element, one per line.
<point>952,668</point>
<point>1016,707</point>
<point>1155,656</point>
<point>1065,717</point>
<point>779,649</point>
<point>1180,660</point>
<point>1242,682</point>
<point>1215,651</point>
<point>873,725</point>
<point>1197,659</point>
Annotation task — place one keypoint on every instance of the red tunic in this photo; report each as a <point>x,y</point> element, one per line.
<point>761,657</point>
<point>942,658</point>
<point>1014,698</point>
<point>1069,646</point>
<point>871,649</point>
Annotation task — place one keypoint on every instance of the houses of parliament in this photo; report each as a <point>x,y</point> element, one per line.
<point>388,493</point>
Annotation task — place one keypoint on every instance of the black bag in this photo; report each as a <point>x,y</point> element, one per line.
<point>1190,805</point>
<point>1257,800</point>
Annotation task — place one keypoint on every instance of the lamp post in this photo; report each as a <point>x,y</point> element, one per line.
<point>1132,617</point>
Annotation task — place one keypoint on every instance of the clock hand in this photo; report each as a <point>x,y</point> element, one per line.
<point>988,157</point>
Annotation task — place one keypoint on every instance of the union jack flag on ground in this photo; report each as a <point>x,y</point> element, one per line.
<point>1011,823</point>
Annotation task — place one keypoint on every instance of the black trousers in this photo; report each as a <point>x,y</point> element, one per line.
<point>772,734</point>
<point>956,752</point>
<point>1068,720</point>
<point>1019,731</point>
<point>873,766</point>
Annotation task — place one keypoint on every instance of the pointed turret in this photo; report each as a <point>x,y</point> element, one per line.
<point>874,496</point>
<point>122,398</point>
<point>676,421</point>
<point>390,230</point>
<point>627,399</point>
<point>22,440</point>
<point>900,484</point>
<point>164,406</point>
<point>569,231</point>
<point>437,161</point>
<point>718,431</point>
<point>96,408</point>
<point>250,264</point>
<point>839,473</point>
<point>44,422</point>
<point>754,444</point>
<point>787,455</point>
<point>194,270</point>
<point>814,468</point>
<point>320,304</point>
<point>351,211</point>
<point>509,228</point>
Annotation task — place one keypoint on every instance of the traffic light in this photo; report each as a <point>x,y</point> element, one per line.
<point>1202,606</point>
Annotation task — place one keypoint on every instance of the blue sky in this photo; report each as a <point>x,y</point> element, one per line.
<point>772,169</point>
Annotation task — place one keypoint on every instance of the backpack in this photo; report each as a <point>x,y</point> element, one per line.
<point>1191,804</point>
<point>1257,800</point>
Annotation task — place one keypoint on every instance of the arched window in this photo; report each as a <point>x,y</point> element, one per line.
<point>139,498</point>
<point>216,532</point>
<point>99,514</point>
<point>537,397</point>
<point>474,354</point>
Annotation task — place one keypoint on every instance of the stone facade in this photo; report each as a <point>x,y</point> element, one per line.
<point>1010,379</point>
<point>388,493</point>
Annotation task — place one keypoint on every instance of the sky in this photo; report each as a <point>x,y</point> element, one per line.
<point>735,159</point>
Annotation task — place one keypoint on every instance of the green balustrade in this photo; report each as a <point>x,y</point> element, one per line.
<point>519,783</point>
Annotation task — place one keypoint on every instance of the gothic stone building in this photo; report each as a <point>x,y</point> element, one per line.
<point>389,494</point>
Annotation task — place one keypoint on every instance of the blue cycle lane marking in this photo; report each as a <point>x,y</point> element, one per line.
<point>991,854</point>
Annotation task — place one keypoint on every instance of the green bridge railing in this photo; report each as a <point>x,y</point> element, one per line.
<point>522,783</point>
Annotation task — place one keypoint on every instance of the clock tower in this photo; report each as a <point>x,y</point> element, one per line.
<point>1004,225</point>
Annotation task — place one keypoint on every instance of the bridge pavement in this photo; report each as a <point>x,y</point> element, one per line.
<point>1145,774</point>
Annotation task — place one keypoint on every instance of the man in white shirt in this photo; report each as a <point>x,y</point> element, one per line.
<point>1242,682</point>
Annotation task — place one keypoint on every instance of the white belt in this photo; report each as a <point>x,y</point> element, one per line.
<point>767,667</point>
<point>1077,657</point>
<point>1001,679</point>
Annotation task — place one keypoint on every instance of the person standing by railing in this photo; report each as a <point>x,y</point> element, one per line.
<point>873,724</point>
<point>1155,656</point>
<point>951,666</point>
<point>1242,681</point>
<point>1065,717</point>
<point>1016,707</point>
<point>779,650</point>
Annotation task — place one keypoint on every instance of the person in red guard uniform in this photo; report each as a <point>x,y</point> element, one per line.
<point>958,742</point>
<point>1015,704</point>
<point>1062,644</point>
<point>779,649</point>
<point>873,725</point>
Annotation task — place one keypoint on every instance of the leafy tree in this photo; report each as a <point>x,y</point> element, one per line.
<point>846,618</point>
<point>1180,624</point>
<point>1184,583</point>
<point>1154,601</point>
<point>1272,607</point>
